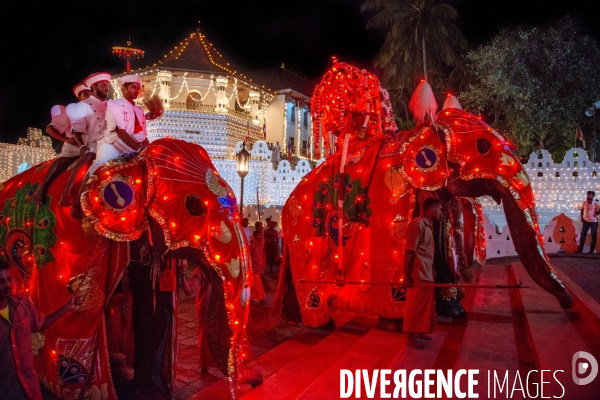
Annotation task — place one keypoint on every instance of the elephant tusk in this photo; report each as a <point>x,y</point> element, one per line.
<point>120,200</point>
<point>432,284</point>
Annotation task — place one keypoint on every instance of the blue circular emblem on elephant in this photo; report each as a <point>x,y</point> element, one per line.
<point>426,158</point>
<point>118,195</point>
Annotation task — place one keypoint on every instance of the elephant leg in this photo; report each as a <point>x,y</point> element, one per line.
<point>463,239</point>
<point>218,331</point>
<point>447,301</point>
<point>291,309</point>
<point>150,327</point>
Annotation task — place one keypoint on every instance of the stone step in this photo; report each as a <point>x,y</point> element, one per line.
<point>505,330</point>
<point>558,334</point>
<point>306,356</point>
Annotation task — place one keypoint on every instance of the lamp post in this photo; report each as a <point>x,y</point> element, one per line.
<point>243,164</point>
<point>591,112</point>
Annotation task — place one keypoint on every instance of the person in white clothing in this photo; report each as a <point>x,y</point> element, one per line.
<point>277,148</point>
<point>246,229</point>
<point>590,210</point>
<point>60,128</point>
<point>125,124</point>
<point>82,92</point>
<point>89,122</point>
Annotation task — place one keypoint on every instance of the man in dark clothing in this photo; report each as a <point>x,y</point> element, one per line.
<point>18,319</point>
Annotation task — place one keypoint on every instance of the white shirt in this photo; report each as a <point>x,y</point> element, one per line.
<point>122,114</point>
<point>248,233</point>
<point>88,117</point>
<point>589,211</point>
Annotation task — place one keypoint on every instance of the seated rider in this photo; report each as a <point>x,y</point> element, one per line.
<point>88,120</point>
<point>125,124</point>
<point>60,128</point>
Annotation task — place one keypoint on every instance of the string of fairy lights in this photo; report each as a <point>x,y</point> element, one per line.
<point>558,187</point>
<point>255,103</point>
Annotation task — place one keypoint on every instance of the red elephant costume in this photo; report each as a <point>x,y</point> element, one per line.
<point>345,223</point>
<point>171,181</point>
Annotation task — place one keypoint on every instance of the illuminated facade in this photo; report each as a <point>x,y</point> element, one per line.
<point>33,149</point>
<point>209,102</point>
<point>558,188</point>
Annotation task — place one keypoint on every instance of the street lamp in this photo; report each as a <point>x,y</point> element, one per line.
<point>243,165</point>
<point>591,112</point>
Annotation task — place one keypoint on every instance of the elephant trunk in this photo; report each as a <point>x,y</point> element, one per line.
<point>530,250</point>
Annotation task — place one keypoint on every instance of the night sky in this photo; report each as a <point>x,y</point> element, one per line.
<point>50,46</point>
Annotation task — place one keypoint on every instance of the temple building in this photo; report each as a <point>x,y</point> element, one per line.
<point>33,149</point>
<point>209,101</point>
<point>558,187</point>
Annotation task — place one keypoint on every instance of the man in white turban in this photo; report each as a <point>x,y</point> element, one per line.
<point>125,124</point>
<point>88,121</point>
<point>60,128</point>
<point>82,92</point>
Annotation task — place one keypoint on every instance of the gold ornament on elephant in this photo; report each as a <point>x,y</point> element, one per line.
<point>88,228</point>
<point>398,229</point>
<point>91,296</point>
<point>300,251</point>
<point>396,183</point>
<point>38,341</point>
<point>223,234</point>
<point>233,267</point>
<point>295,210</point>
<point>214,184</point>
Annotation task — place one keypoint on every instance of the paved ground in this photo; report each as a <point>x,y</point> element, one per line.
<point>520,331</point>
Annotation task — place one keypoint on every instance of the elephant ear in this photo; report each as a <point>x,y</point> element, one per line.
<point>423,159</point>
<point>113,200</point>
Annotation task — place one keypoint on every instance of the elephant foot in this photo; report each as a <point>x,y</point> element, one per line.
<point>449,309</point>
<point>390,324</point>
<point>566,301</point>
<point>468,275</point>
<point>329,326</point>
<point>205,375</point>
<point>250,376</point>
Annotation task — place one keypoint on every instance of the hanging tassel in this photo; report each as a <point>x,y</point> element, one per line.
<point>451,102</point>
<point>422,103</point>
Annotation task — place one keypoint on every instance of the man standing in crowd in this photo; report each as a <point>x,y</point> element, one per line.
<point>590,210</point>
<point>247,230</point>
<point>18,319</point>
<point>419,312</point>
<point>271,238</point>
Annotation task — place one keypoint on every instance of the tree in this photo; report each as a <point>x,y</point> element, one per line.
<point>536,83</point>
<point>420,37</point>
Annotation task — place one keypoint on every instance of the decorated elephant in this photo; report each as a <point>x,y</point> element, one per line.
<point>344,225</point>
<point>168,202</point>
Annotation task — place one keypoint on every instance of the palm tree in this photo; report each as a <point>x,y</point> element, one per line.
<point>419,33</point>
